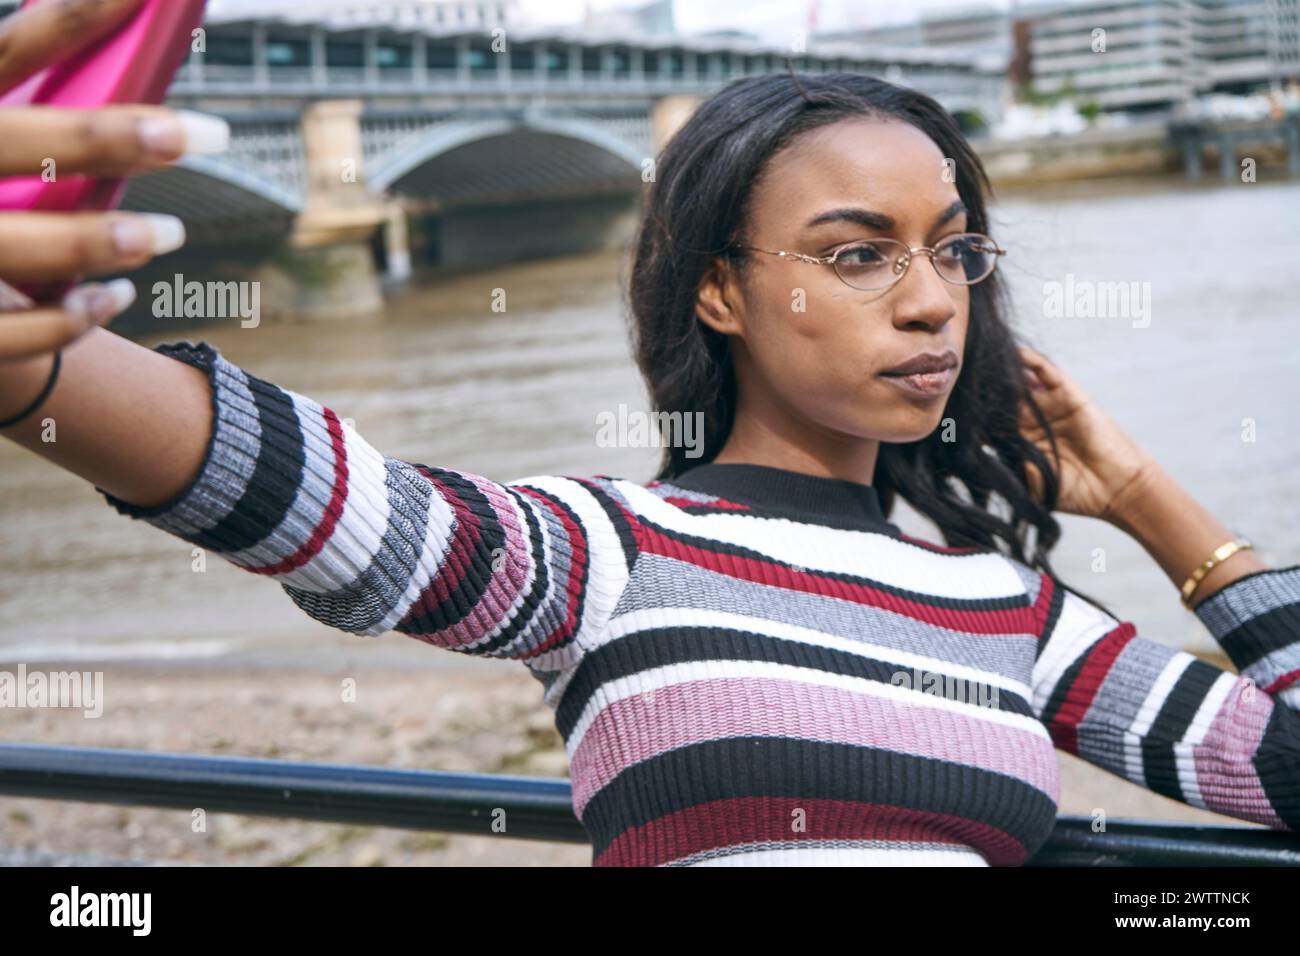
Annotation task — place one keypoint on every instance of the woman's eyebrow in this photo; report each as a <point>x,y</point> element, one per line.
<point>877,220</point>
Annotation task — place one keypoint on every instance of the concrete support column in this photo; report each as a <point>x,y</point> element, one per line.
<point>397,244</point>
<point>328,269</point>
<point>319,72</point>
<point>462,61</point>
<point>420,60</point>
<point>371,59</point>
<point>261,70</point>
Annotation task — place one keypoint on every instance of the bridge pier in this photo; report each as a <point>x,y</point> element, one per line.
<point>1230,138</point>
<point>1228,168</point>
<point>327,269</point>
<point>667,115</point>
<point>397,244</point>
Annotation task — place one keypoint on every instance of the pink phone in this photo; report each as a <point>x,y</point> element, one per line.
<point>134,64</point>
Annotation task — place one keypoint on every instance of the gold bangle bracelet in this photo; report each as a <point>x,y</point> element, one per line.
<point>1221,554</point>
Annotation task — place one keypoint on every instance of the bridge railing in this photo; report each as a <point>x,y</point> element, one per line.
<point>529,808</point>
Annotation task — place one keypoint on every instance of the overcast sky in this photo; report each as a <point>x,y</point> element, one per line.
<point>772,19</point>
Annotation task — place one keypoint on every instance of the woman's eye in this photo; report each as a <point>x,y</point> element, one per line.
<point>957,248</point>
<point>863,255</point>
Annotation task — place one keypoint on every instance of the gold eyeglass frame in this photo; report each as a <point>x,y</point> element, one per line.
<point>900,265</point>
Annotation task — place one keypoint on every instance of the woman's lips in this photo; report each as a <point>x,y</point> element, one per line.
<point>925,384</point>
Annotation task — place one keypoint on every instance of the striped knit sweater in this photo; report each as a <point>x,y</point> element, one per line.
<point>749,665</point>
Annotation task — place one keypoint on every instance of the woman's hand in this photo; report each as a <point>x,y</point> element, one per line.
<point>1098,461</point>
<point>110,142</point>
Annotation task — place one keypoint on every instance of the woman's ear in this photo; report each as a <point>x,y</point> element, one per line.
<point>717,302</point>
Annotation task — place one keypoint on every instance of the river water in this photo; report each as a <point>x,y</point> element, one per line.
<point>443,379</point>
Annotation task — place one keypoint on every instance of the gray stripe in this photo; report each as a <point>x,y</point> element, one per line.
<point>228,470</point>
<point>1241,601</point>
<point>372,594</point>
<point>666,582</point>
<point>315,488</point>
<point>1123,692</point>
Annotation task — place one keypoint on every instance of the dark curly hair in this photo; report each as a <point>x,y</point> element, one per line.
<point>696,210</point>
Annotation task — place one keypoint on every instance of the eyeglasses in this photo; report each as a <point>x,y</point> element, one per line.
<point>873,264</point>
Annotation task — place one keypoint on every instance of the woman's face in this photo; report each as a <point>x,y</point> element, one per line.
<point>820,368</point>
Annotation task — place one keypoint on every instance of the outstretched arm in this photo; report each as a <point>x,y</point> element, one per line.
<point>361,541</point>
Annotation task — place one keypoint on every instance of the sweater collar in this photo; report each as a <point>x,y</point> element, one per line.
<point>779,492</point>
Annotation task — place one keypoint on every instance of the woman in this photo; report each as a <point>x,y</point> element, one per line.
<point>748,662</point>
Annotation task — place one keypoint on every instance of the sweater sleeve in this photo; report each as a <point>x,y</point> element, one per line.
<point>366,543</point>
<point>1170,722</point>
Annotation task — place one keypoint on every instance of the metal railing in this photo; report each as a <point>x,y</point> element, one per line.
<point>534,808</point>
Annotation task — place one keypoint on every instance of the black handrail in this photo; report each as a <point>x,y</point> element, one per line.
<point>533,808</point>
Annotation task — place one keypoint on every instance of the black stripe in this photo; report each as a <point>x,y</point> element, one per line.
<point>1265,633</point>
<point>1055,602</point>
<point>1063,686</point>
<point>470,583</point>
<point>783,767</point>
<point>1277,762</point>
<point>661,647</point>
<point>277,475</point>
<point>1171,724</point>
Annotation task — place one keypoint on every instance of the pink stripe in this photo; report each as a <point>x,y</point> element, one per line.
<point>643,725</point>
<point>1225,773</point>
<point>502,589</point>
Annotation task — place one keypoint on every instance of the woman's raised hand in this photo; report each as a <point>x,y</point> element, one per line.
<point>110,142</point>
<point>1098,460</point>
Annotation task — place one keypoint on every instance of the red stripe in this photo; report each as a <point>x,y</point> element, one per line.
<point>728,822</point>
<point>975,621</point>
<point>1283,682</point>
<point>1097,664</point>
<point>718,503</point>
<point>461,548</point>
<point>1046,590</point>
<point>938,548</point>
<point>333,510</point>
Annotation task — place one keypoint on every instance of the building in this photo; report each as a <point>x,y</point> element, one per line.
<point>430,15</point>
<point>1124,55</point>
<point>648,19</point>
<point>1153,54</point>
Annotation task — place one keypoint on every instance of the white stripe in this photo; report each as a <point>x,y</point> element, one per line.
<point>359,532</point>
<point>872,555</point>
<point>1133,736</point>
<point>311,496</point>
<point>607,573</point>
<point>845,856</point>
<point>1079,625</point>
<point>1184,750</point>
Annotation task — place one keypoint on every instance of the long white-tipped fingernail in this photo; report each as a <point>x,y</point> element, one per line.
<point>181,132</point>
<point>99,302</point>
<point>204,133</point>
<point>148,232</point>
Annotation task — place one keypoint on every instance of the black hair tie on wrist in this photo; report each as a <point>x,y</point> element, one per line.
<point>45,393</point>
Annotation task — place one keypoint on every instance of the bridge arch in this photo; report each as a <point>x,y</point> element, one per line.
<point>495,147</point>
<point>216,199</point>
